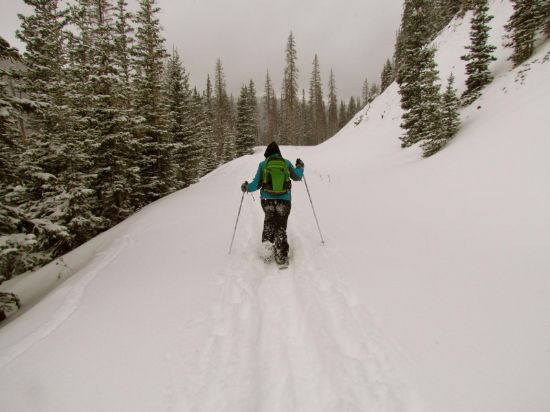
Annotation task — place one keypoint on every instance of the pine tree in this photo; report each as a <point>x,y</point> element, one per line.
<point>522,28</point>
<point>415,32</point>
<point>366,91</point>
<point>16,245</point>
<point>101,123</point>
<point>546,13</point>
<point>352,108</point>
<point>289,131</point>
<point>182,130</point>
<point>450,120</point>
<point>386,77</point>
<point>209,97</point>
<point>246,124</point>
<point>156,165</point>
<point>42,201</point>
<point>422,119</point>
<point>342,115</point>
<point>449,113</point>
<point>11,114</point>
<point>100,173</point>
<point>480,53</point>
<point>374,91</point>
<point>223,122</point>
<point>271,112</point>
<point>399,50</point>
<point>451,8</point>
<point>204,125</point>
<point>317,105</point>
<point>466,5</point>
<point>332,106</point>
<point>116,156</point>
<point>417,28</point>
<point>253,101</point>
<point>123,43</point>
<point>305,119</point>
<point>445,10</point>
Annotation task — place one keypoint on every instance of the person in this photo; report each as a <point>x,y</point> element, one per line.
<point>273,177</point>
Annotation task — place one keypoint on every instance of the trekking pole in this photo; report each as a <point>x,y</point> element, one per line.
<point>314,214</point>
<point>235,230</point>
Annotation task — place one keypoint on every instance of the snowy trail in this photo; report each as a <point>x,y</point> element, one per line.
<point>291,340</point>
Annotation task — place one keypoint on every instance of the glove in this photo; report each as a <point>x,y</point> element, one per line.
<point>244,187</point>
<point>299,163</point>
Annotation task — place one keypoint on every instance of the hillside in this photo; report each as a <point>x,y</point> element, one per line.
<point>430,294</point>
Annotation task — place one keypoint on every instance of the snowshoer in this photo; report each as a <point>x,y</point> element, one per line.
<point>273,177</point>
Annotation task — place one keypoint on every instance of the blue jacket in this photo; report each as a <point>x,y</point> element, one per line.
<point>296,174</point>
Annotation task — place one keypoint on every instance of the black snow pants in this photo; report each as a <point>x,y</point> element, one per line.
<point>275,222</point>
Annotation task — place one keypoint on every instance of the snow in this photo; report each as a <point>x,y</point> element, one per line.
<point>43,176</point>
<point>429,294</point>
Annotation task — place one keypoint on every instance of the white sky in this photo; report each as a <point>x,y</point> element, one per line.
<point>353,37</point>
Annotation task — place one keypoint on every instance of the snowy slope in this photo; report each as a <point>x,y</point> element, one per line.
<point>431,292</point>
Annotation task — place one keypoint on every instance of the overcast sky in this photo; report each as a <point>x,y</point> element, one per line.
<point>353,37</point>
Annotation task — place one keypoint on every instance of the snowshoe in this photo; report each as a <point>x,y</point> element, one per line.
<point>268,252</point>
<point>283,263</point>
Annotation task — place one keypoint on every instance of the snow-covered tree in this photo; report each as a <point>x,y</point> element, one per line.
<point>332,118</point>
<point>305,119</point>
<point>466,5</point>
<point>387,76</point>
<point>16,245</point>
<point>122,43</point>
<point>415,32</point>
<point>480,53</point>
<point>450,117</point>
<point>352,108</point>
<point>98,178</point>
<point>116,156</point>
<point>418,27</point>
<point>10,114</point>
<point>447,9</point>
<point>546,13</point>
<point>374,92</point>
<point>223,122</point>
<point>205,130</point>
<point>181,123</point>
<point>289,131</point>
<point>449,123</point>
<point>522,27</point>
<point>317,105</point>
<point>253,98</point>
<point>422,118</point>
<point>41,200</point>
<point>342,115</point>
<point>366,91</point>
<point>246,124</point>
<point>155,160</point>
<point>270,110</point>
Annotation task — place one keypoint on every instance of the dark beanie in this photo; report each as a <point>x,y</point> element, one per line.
<point>272,149</point>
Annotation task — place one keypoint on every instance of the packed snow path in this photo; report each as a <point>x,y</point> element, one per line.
<point>292,340</point>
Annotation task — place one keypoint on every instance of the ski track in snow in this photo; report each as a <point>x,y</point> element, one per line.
<point>74,292</point>
<point>286,340</point>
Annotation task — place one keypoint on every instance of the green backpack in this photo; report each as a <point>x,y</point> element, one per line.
<point>276,176</point>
